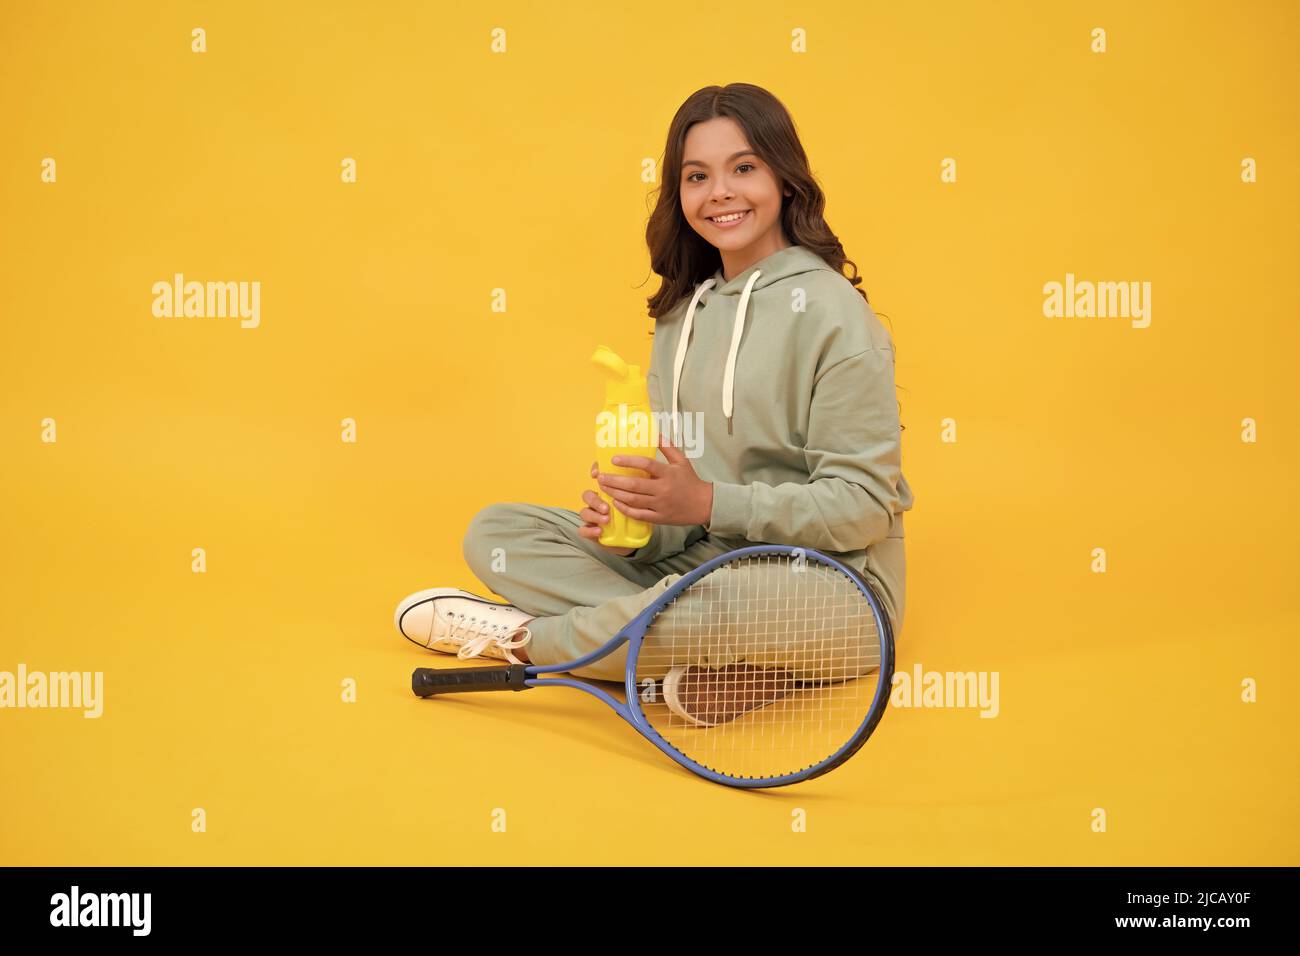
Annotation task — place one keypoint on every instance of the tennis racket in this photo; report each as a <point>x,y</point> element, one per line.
<point>764,666</point>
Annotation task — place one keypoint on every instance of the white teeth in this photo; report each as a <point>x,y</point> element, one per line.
<point>731,218</point>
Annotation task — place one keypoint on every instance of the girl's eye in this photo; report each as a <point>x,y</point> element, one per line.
<point>691,177</point>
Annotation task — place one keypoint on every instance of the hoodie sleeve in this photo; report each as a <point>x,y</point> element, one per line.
<point>854,456</point>
<point>665,539</point>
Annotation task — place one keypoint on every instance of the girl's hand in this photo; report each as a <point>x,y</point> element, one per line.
<point>673,494</point>
<point>595,516</point>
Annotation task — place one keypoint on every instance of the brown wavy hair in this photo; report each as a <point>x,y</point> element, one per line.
<point>681,255</point>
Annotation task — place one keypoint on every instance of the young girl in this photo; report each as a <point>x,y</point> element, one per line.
<point>762,339</point>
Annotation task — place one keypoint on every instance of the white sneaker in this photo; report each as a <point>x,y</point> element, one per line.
<point>464,624</point>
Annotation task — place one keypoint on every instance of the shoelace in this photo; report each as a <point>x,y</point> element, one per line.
<point>485,634</point>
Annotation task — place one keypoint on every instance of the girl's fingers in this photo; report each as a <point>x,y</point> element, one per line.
<point>593,499</point>
<point>625,500</point>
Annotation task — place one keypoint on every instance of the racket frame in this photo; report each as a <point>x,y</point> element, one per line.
<point>634,633</point>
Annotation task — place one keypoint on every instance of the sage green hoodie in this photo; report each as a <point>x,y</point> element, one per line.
<point>794,377</point>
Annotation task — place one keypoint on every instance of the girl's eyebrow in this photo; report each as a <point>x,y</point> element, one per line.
<point>696,162</point>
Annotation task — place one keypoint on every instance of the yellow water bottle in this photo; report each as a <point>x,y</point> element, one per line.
<point>625,426</point>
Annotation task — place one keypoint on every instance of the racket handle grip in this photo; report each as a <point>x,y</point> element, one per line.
<point>426,681</point>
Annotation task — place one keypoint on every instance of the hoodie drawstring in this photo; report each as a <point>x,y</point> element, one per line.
<point>728,376</point>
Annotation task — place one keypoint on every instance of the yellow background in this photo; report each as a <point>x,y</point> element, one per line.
<point>522,171</point>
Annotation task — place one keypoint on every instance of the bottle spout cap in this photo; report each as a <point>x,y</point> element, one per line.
<point>624,383</point>
<point>612,364</point>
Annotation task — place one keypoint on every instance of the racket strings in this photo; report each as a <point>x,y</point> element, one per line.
<point>766,665</point>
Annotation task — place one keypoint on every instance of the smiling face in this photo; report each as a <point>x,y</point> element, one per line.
<point>722,175</point>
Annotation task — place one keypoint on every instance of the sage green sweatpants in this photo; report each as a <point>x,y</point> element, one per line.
<point>581,593</point>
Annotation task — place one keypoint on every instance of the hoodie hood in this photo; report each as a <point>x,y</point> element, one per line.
<point>782,264</point>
